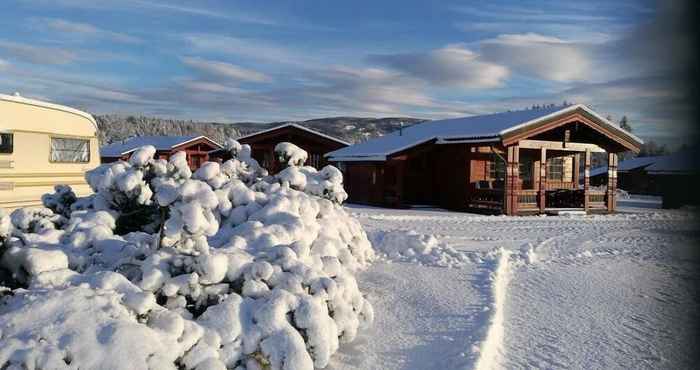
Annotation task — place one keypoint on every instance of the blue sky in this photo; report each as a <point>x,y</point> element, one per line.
<point>290,60</point>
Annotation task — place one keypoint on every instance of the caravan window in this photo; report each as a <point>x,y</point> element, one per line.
<point>70,150</point>
<point>6,146</point>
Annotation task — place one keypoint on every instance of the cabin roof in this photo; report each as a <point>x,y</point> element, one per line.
<point>676,163</point>
<point>627,165</point>
<point>682,162</point>
<point>121,148</point>
<point>295,126</point>
<point>489,127</point>
<point>43,104</point>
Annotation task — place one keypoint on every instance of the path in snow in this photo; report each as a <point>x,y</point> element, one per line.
<point>598,292</point>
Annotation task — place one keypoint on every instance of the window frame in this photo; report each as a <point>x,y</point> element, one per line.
<point>89,149</point>
<point>12,143</point>
<point>557,162</point>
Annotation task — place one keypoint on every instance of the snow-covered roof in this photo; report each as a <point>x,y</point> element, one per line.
<point>627,165</point>
<point>681,162</point>
<point>121,148</point>
<point>20,99</point>
<point>296,126</point>
<point>489,127</point>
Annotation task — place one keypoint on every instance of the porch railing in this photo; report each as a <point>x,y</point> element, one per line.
<point>597,199</point>
<point>487,198</point>
<point>527,199</point>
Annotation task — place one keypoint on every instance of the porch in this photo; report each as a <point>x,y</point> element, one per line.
<point>539,176</point>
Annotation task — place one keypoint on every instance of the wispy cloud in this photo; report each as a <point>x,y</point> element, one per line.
<point>256,49</point>
<point>86,30</point>
<point>225,70</point>
<point>37,54</point>
<point>171,7</point>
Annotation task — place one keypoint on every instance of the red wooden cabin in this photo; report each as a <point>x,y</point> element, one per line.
<point>513,162</point>
<point>197,148</point>
<point>262,144</point>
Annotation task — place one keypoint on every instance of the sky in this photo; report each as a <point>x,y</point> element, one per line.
<point>261,61</point>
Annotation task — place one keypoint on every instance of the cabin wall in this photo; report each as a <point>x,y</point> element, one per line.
<point>452,176</point>
<point>263,147</point>
<point>364,183</point>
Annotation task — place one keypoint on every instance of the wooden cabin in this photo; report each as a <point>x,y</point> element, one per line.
<point>197,148</point>
<point>42,145</point>
<point>262,144</point>
<point>522,162</point>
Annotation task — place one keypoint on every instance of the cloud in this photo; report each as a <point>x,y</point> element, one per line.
<point>4,65</point>
<point>38,54</point>
<point>171,6</point>
<point>87,30</point>
<point>249,48</point>
<point>225,70</point>
<point>546,57</point>
<point>453,65</point>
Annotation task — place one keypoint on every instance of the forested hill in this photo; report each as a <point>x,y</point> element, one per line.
<point>352,129</point>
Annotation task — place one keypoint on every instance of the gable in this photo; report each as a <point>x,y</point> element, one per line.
<point>582,124</point>
<point>287,132</point>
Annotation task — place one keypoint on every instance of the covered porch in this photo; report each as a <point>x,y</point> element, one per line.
<point>546,169</point>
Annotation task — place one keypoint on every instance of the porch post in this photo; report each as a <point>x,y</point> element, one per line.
<point>586,179</point>
<point>510,191</point>
<point>543,179</point>
<point>515,172</point>
<point>577,168</point>
<point>612,181</point>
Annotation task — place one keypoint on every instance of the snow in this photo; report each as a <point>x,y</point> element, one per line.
<point>545,292</point>
<point>164,269</point>
<point>290,154</point>
<point>482,127</point>
<point>231,268</point>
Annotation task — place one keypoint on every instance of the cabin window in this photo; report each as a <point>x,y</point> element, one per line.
<point>6,144</point>
<point>555,169</point>
<point>70,150</point>
<point>496,170</point>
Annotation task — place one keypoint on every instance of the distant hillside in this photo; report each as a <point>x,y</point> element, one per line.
<point>352,129</point>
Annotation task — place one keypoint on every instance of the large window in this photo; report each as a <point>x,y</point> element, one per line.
<point>555,169</point>
<point>70,150</point>
<point>6,145</point>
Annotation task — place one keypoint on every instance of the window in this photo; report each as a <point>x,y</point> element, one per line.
<point>70,150</point>
<point>6,145</point>
<point>555,169</point>
<point>496,169</point>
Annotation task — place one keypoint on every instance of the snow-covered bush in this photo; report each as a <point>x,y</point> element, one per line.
<point>61,201</point>
<point>226,268</point>
<point>290,155</point>
<point>327,183</point>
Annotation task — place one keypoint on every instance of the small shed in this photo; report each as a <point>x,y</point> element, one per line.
<point>517,162</point>
<point>197,148</point>
<point>262,144</point>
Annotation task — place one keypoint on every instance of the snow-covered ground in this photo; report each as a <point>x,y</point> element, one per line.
<point>582,292</point>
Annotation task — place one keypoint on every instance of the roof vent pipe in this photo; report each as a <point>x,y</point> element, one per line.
<point>401,128</point>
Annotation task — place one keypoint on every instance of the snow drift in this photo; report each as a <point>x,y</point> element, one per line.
<point>161,268</point>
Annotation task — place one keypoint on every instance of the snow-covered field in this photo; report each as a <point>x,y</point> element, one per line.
<point>581,292</point>
<point>230,267</point>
